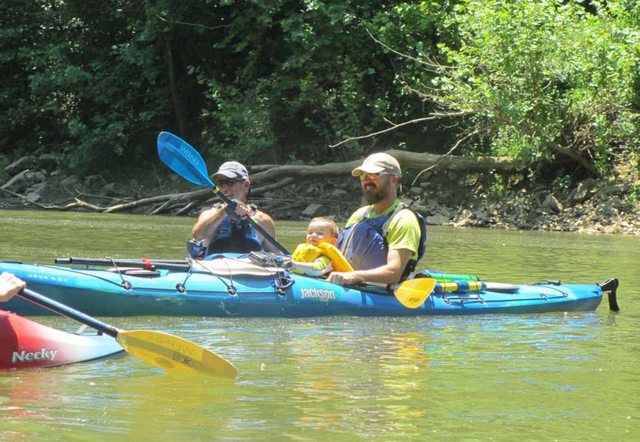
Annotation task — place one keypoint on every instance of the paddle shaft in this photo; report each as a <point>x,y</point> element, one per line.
<point>178,265</point>
<point>168,352</point>
<point>65,310</point>
<point>187,162</point>
<point>232,205</point>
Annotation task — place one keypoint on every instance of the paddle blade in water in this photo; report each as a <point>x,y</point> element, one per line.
<point>413,292</point>
<point>174,354</point>
<point>183,159</point>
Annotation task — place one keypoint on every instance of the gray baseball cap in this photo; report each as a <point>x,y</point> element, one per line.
<point>232,170</point>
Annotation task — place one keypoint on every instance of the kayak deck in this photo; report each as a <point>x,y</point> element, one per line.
<point>226,288</point>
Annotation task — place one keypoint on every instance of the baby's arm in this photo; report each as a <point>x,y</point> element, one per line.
<point>319,266</point>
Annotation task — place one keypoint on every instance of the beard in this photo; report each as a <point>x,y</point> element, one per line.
<point>372,194</point>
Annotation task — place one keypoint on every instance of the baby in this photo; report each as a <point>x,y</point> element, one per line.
<point>311,258</point>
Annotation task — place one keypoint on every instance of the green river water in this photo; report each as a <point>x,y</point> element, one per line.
<point>564,377</point>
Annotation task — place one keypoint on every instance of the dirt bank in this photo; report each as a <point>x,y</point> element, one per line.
<point>445,199</point>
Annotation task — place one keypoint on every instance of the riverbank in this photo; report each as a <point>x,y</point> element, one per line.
<point>589,207</point>
<point>445,199</point>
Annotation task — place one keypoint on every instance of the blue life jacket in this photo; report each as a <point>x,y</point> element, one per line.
<point>365,246</point>
<point>235,237</point>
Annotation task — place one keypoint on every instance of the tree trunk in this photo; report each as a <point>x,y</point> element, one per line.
<point>266,178</point>
<point>408,160</point>
<point>175,95</point>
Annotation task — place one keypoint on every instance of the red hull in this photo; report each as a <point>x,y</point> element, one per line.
<point>28,344</point>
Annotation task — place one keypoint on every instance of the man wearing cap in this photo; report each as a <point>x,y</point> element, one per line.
<point>220,232</point>
<point>384,240</point>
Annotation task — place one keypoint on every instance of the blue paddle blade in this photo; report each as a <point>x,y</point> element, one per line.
<point>187,162</point>
<point>183,159</point>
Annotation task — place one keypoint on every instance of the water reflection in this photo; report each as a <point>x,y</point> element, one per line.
<point>339,375</point>
<point>539,377</point>
<point>66,398</point>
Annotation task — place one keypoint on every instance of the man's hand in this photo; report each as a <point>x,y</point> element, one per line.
<point>244,211</point>
<point>345,278</point>
<point>9,286</point>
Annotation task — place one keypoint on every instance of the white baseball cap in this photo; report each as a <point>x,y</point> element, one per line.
<point>378,163</point>
<point>232,170</point>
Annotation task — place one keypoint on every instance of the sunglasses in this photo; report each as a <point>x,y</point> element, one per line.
<point>228,183</point>
<point>371,176</point>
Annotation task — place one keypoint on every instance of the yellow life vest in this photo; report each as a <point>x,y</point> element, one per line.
<point>309,253</point>
<point>338,261</point>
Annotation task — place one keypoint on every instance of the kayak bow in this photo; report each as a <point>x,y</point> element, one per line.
<point>28,344</point>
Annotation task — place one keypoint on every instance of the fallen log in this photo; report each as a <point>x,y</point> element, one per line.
<point>173,197</point>
<point>266,178</point>
<point>408,160</point>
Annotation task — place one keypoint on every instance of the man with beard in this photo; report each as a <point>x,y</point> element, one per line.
<point>383,240</point>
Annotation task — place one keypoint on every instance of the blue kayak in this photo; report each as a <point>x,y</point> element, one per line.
<point>232,286</point>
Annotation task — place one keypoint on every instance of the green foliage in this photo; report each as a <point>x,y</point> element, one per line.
<point>413,29</point>
<point>299,79</point>
<point>280,80</point>
<point>244,129</point>
<point>83,87</point>
<point>542,79</point>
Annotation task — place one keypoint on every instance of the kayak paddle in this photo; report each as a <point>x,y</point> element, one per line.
<point>171,353</point>
<point>143,263</point>
<point>413,292</point>
<point>184,160</point>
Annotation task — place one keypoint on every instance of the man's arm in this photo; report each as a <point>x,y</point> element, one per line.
<point>266,222</point>
<point>404,239</point>
<point>207,222</point>
<point>320,266</point>
<point>390,273</point>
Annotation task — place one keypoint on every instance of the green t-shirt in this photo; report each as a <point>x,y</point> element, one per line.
<point>403,231</point>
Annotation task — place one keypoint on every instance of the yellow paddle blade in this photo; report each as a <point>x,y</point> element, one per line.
<point>413,292</point>
<point>174,354</point>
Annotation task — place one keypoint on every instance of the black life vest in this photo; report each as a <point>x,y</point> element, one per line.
<point>235,237</point>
